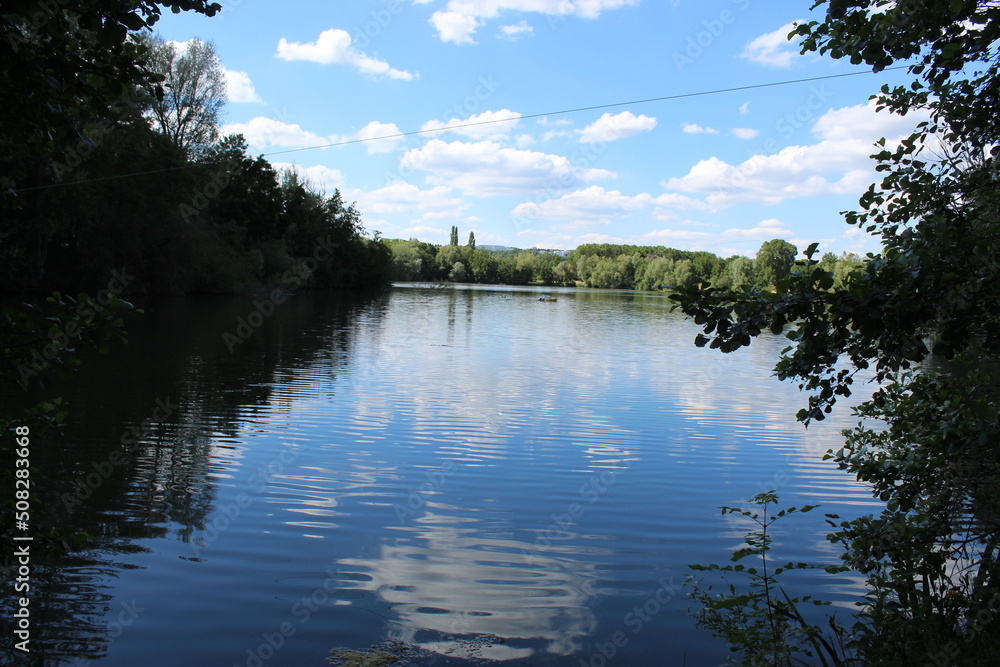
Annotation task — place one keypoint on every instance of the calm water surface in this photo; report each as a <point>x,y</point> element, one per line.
<point>467,470</point>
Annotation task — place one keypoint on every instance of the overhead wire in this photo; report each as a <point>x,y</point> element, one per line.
<point>445,128</point>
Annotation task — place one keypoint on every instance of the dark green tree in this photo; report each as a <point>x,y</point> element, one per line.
<point>774,261</point>
<point>932,556</point>
<point>193,93</point>
<point>68,67</point>
<point>454,235</point>
<point>472,240</point>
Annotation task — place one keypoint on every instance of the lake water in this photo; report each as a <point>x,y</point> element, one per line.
<point>468,470</point>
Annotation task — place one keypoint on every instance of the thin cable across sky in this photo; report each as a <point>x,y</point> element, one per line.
<point>665,98</point>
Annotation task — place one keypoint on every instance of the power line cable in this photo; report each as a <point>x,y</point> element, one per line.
<point>579,109</point>
<point>400,135</point>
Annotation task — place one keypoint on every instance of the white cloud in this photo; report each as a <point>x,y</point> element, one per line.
<point>680,202</point>
<point>796,171</point>
<point>593,204</point>
<point>516,31</point>
<point>239,88</point>
<point>695,128</point>
<point>486,168</point>
<point>773,49</point>
<point>402,198</point>
<point>263,132</point>
<point>487,125</point>
<point>671,236</point>
<point>838,164</point>
<point>524,140</point>
<point>598,205</point>
<point>455,27</point>
<point>460,19</point>
<point>611,127</point>
<point>323,178</point>
<point>373,130</point>
<point>745,133</point>
<point>552,134</point>
<point>764,230</point>
<point>546,122</point>
<point>862,120</point>
<point>745,108</point>
<point>334,46</point>
<point>730,239</point>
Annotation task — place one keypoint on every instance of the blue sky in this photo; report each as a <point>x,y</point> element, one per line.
<point>719,172</point>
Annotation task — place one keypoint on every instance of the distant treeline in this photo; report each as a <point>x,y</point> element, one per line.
<point>604,265</point>
<point>153,194</point>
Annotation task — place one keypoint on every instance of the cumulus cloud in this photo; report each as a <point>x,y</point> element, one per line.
<point>745,133</point>
<point>687,237</point>
<point>516,31</point>
<point>773,49</point>
<point>460,19</point>
<point>598,205</point>
<point>862,120</point>
<point>837,164</point>
<point>593,204</point>
<point>372,133</point>
<point>486,168</point>
<point>334,46</point>
<point>264,132</point>
<point>324,178</point>
<point>487,125</point>
<point>239,88</point>
<point>524,140</point>
<point>611,127</point>
<point>406,199</point>
<point>695,128</point>
<point>796,171</point>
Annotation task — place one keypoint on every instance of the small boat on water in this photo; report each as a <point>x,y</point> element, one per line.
<point>546,298</point>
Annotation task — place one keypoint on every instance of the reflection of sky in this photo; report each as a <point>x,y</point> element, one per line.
<point>446,578</point>
<point>492,412</point>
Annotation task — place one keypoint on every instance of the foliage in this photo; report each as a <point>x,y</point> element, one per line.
<point>42,340</point>
<point>189,108</point>
<point>764,624</point>
<point>931,558</point>
<point>67,68</point>
<point>922,318</point>
<point>774,260</point>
